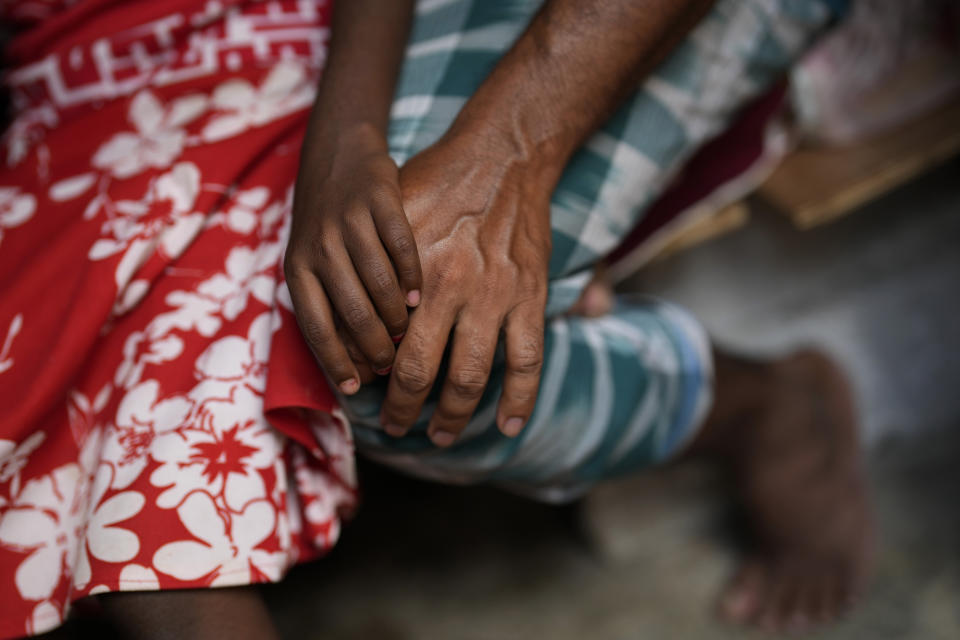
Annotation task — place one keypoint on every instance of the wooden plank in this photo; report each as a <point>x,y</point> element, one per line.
<point>816,185</point>
<point>727,219</point>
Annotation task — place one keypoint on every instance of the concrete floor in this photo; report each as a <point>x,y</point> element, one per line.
<point>644,557</point>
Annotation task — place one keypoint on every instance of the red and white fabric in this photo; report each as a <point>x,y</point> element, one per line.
<point>162,424</point>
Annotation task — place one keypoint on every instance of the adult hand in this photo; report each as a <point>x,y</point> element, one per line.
<point>481,221</point>
<point>351,263</point>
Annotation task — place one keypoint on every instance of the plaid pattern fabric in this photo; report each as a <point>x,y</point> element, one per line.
<point>619,392</point>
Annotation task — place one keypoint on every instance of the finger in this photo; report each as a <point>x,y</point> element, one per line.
<point>418,360</point>
<point>315,318</point>
<point>376,272</point>
<point>471,358</point>
<point>363,367</point>
<point>351,303</point>
<point>397,237</point>
<point>524,360</point>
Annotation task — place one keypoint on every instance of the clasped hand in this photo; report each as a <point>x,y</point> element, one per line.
<point>462,233</point>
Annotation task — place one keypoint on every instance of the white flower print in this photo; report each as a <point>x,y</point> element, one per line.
<point>72,187</point>
<point>234,360</point>
<point>191,312</point>
<point>139,577</point>
<point>171,198</point>
<point>271,216</point>
<point>104,540</point>
<point>141,418</point>
<point>14,457</point>
<point>82,415</point>
<point>333,434</point>
<point>241,217</point>
<point>27,130</point>
<point>286,89</point>
<point>45,616</point>
<point>44,521</point>
<point>221,455</point>
<point>224,550</point>
<point>140,350</point>
<point>248,272</point>
<point>16,208</point>
<point>6,362</point>
<point>129,228</point>
<point>159,137</point>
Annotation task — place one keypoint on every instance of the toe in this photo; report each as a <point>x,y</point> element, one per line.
<point>804,612</point>
<point>817,596</point>
<point>833,596</point>
<point>743,598</point>
<point>778,600</point>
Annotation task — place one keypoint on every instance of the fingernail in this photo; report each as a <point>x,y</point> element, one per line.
<point>395,430</point>
<point>413,298</point>
<point>513,427</point>
<point>397,338</point>
<point>350,386</point>
<point>443,438</point>
<point>382,372</point>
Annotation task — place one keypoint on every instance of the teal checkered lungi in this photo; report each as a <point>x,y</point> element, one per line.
<point>623,391</point>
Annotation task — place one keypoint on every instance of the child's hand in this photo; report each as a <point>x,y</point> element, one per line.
<point>351,259</point>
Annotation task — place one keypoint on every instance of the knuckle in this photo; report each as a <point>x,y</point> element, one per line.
<point>532,286</point>
<point>468,383</point>
<point>527,359</point>
<point>382,282</point>
<point>402,243</point>
<point>319,335</point>
<point>385,198</point>
<point>354,219</point>
<point>412,376</point>
<point>325,246</point>
<point>357,317</point>
<point>293,268</point>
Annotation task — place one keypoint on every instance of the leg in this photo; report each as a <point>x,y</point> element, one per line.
<point>786,432</point>
<point>618,393</point>
<point>734,53</point>
<point>236,613</point>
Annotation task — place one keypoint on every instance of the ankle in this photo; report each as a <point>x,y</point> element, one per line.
<point>742,388</point>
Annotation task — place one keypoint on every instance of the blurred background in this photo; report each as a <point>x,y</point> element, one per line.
<point>830,215</point>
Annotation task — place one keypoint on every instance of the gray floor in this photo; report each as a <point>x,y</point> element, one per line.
<point>879,288</point>
<point>643,558</point>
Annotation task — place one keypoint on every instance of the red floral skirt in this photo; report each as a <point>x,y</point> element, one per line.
<point>162,424</point>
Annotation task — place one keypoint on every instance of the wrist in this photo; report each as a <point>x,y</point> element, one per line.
<point>502,145</point>
<point>329,140</point>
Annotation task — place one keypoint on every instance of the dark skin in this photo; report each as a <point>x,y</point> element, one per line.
<point>352,263</point>
<point>477,203</point>
<point>238,614</point>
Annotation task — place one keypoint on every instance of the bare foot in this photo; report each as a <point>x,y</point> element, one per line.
<point>788,432</point>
